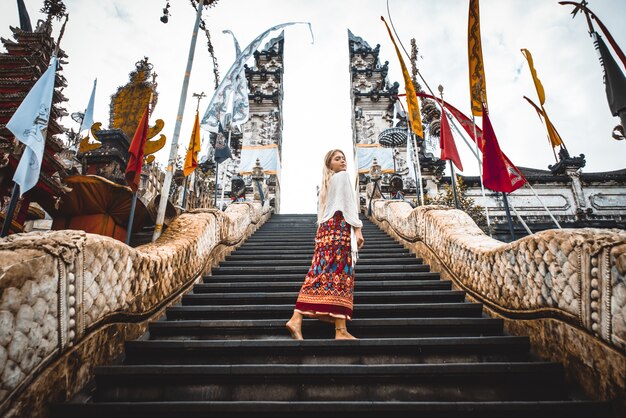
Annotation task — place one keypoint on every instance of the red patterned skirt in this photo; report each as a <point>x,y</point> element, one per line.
<point>328,288</point>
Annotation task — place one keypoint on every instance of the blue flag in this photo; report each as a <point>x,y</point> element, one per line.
<point>29,125</point>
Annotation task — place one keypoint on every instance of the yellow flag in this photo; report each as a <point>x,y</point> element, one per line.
<point>540,92</point>
<point>477,81</point>
<point>555,139</point>
<point>411,98</point>
<point>191,159</point>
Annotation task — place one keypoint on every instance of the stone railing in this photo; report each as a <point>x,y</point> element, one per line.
<point>566,288</point>
<point>60,288</point>
<point>575,274</point>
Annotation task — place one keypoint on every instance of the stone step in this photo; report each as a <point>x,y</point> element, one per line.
<point>264,298</point>
<point>274,251</point>
<point>306,262</point>
<point>294,227</point>
<point>311,237</point>
<point>293,232</point>
<point>291,286</point>
<point>367,409</point>
<point>313,329</point>
<point>310,240</point>
<point>277,248</point>
<point>360,269</point>
<point>260,382</point>
<point>364,351</point>
<point>311,243</point>
<point>309,254</point>
<point>361,277</point>
<point>363,311</point>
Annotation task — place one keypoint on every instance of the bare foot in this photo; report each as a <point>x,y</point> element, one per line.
<point>295,329</point>
<point>343,334</point>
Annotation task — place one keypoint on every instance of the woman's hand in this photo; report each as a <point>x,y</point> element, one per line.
<point>359,238</point>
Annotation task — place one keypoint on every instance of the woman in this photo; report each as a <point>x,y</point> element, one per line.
<point>328,288</point>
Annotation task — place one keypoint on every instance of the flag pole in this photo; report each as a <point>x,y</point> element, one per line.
<point>415,171</point>
<point>224,174</point>
<point>169,173</point>
<point>133,204</point>
<point>480,174</point>
<point>508,216</point>
<point>185,193</point>
<point>522,221</point>
<point>217,169</point>
<point>544,206</point>
<point>418,172</point>
<point>452,174</point>
<point>131,218</point>
<point>453,181</point>
<point>8,219</point>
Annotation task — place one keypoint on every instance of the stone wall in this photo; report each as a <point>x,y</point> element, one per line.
<point>61,289</point>
<point>564,288</point>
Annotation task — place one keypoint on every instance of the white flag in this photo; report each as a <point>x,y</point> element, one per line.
<point>29,125</point>
<point>88,118</point>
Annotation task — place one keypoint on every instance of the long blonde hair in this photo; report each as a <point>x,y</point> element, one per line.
<point>327,173</point>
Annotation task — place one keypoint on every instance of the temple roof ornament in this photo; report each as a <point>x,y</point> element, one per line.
<point>357,40</point>
<point>567,163</point>
<point>131,99</point>
<point>127,107</point>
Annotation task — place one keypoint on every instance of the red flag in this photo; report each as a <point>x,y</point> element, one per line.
<point>499,173</point>
<point>448,147</point>
<point>135,161</point>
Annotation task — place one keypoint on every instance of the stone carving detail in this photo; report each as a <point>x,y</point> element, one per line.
<point>272,65</point>
<point>362,84</point>
<point>57,287</point>
<point>269,87</point>
<point>360,63</point>
<point>577,275</point>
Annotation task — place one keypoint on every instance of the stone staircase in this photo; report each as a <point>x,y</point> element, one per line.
<point>423,350</point>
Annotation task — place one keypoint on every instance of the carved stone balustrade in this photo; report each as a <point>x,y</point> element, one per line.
<point>70,299</point>
<point>566,289</point>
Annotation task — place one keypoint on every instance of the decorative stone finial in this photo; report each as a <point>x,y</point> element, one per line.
<point>257,171</point>
<point>375,170</point>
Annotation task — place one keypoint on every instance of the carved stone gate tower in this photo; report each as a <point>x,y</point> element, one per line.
<point>373,98</point>
<point>262,133</point>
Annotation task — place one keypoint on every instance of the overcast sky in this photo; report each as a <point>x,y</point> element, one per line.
<point>104,39</point>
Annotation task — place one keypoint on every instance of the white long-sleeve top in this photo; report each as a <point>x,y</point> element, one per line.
<point>341,197</point>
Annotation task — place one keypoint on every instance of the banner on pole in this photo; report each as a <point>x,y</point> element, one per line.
<point>448,147</point>
<point>29,124</point>
<point>87,121</point>
<point>477,80</point>
<point>499,173</point>
<point>555,139</point>
<point>191,158</point>
<point>411,100</point>
<point>135,161</point>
